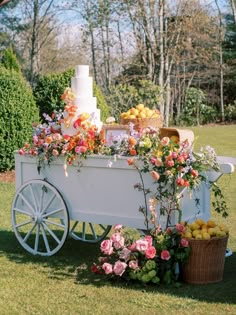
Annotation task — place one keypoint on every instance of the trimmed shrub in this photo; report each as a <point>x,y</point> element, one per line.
<point>17,112</point>
<point>49,88</point>
<point>9,60</point>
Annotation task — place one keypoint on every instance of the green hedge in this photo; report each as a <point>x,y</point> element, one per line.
<point>17,112</point>
<point>49,88</point>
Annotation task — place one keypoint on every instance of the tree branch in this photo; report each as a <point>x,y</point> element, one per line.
<point>2,2</point>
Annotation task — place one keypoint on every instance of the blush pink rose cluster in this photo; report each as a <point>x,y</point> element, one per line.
<point>141,259</point>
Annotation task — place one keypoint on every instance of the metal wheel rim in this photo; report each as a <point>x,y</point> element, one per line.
<point>89,232</point>
<point>40,218</point>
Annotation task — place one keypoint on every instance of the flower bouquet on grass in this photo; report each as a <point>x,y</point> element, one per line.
<point>152,258</point>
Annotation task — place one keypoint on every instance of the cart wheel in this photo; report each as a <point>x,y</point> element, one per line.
<point>40,218</point>
<point>89,232</point>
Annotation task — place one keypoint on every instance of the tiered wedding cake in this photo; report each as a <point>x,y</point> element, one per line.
<point>82,87</point>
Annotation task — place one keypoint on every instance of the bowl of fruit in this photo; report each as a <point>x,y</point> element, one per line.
<point>142,117</point>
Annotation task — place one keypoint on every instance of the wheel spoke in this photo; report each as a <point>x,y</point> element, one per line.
<point>22,211</point>
<point>45,240</point>
<point>51,233</point>
<point>52,212</point>
<point>23,223</point>
<point>27,203</point>
<point>74,226</point>
<point>36,242</point>
<point>48,204</point>
<point>93,231</point>
<point>54,223</point>
<point>33,197</point>
<point>29,233</point>
<point>83,231</point>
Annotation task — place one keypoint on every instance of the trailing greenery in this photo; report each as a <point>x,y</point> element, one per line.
<point>49,88</point>
<point>9,60</point>
<point>17,112</point>
<point>123,96</point>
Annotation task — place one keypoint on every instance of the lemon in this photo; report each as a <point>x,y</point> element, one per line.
<point>200,222</point>
<point>206,236</point>
<point>194,226</point>
<point>212,231</point>
<point>195,233</point>
<point>199,237</point>
<point>211,223</point>
<point>188,234</point>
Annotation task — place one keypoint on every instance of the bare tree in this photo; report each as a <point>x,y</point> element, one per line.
<point>3,2</point>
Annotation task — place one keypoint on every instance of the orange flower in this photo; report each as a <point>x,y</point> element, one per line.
<point>132,152</point>
<point>155,175</point>
<point>132,141</point>
<point>130,161</point>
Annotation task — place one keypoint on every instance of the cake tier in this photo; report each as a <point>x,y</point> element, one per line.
<point>86,104</point>
<point>82,87</point>
<point>82,71</point>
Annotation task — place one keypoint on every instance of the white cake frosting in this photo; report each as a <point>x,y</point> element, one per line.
<point>82,87</point>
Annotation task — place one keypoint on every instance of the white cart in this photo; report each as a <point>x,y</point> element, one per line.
<point>48,206</point>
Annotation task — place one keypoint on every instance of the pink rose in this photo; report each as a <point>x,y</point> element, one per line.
<point>116,237</point>
<point>107,268</point>
<point>133,264</point>
<point>142,245</point>
<point>170,163</point>
<point>159,162</point>
<point>55,152</point>
<point>184,242</point>
<point>153,161</point>
<point>165,141</point>
<point>119,268</point>
<point>80,149</point>
<point>174,155</point>
<point>132,247</point>
<point>180,181</point>
<point>120,243</point>
<point>21,152</point>
<point>155,175</point>
<point>117,227</point>
<point>106,247</point>
<point>165,255</point>
<point>180,227</point>
<point>148,238</point>
<point>150,252</point>
<point>125,254</point>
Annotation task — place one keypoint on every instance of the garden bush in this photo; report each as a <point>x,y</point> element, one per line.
<point>49,88</point>
<point>9,60</point>
<point>17,112</point>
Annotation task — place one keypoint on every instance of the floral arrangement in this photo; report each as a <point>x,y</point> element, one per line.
<point>154,258</point>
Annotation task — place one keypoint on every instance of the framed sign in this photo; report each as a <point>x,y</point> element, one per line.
<point>111,132</point>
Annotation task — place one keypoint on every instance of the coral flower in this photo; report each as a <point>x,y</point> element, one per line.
<point>130,161</point>
<point>155,175</point>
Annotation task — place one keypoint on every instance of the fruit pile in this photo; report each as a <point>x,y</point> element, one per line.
<point>140,111</point>
<point>201,230</point>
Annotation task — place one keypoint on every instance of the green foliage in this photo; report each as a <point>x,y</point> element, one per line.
<point>195,111</point>
<point>17,112</point>
<point>9,60</point>
<point>49,88</point>
<point>230,112</point>
<point>123,97</point>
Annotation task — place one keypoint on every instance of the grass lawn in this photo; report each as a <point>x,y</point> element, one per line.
<point>63,284</point>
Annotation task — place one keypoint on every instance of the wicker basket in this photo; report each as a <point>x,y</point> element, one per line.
<point>140,123</point>
<point>182,134</point>
<point>206,262</point>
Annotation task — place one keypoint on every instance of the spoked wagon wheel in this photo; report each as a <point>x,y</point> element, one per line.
<point>40,218</point>
<point>89,232</point>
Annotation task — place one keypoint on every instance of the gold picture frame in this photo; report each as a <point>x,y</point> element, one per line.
<point>111,131</point>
